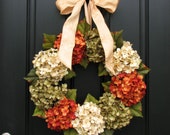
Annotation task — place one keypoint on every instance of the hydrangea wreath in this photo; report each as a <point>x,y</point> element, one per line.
<point>122,93</point>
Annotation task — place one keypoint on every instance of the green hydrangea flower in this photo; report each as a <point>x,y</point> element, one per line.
<point>115,114</point>
<point>45,94</point>
<point>94,52</point>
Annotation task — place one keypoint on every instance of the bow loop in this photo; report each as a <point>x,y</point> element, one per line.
<point>109,5</point>
<point>66,6</point>
<point>70,25</point>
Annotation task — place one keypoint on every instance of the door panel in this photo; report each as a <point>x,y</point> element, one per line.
<point>159,93</point>
<point>130,18</point>
<point>13,66</point>
<point>43,18</point>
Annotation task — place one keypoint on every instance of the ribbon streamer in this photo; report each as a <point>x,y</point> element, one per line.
<point>70,26</point>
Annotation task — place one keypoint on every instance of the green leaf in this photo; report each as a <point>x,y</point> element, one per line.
<point>108,132</point>
<point>39,112</point>
<point>106,86</point>
<point>47,46</point>
<point>70,132</point>
<point>48,41</point>
<point>49,38</point>
<point>84,63</point>
<point>117,36</point>
<point>70,75</point>
<point>31,76</point>
<point>136,110</point>
<point>71,94</point>
<point>143,69</point>
<point>101,70</point>
<point>83,26</point>
<point>90,98</point>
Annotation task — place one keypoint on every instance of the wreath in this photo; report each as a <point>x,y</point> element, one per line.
<point>56,103</point>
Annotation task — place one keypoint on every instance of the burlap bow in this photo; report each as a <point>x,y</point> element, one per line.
<point>70,26</point>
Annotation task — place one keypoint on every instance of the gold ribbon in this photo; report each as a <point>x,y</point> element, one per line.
<point>70,26</point>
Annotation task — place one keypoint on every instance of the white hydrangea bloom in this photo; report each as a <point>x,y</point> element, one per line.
<point>48,65</point>
<point>89,121</point>
<point>124,59</point>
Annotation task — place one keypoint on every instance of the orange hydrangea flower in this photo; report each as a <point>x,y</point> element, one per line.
<point>60,116</point>
<point>79,48</point>
<point>128,87</point>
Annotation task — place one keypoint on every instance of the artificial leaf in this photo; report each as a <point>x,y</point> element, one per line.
<point>71,94</point>
<point>48,41</point>
<point>136,110</point>
<point>90,98</point>
<point>70,75</point>
<point>101,70</point>
<point>70,131</point>
<point>39,112</point>
<point>143,69</point>
<point>32,72</point>
<point>117,36</point>
<point>84,63</point>
<point>106,86</point>
<point>49,38</point>
<point>47,46</point>
<point>31,76</point>
<point>83,26</point>
<point>107,132</point>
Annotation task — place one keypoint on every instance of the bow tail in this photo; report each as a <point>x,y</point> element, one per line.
<point>68,35</point>
<point>104,32</point>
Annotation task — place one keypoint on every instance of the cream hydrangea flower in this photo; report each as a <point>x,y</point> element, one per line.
<point>89,121</point>
<point>124,59</point>
<point>48,65</point>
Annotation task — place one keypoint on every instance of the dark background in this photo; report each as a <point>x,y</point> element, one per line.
<point>22,23</point>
